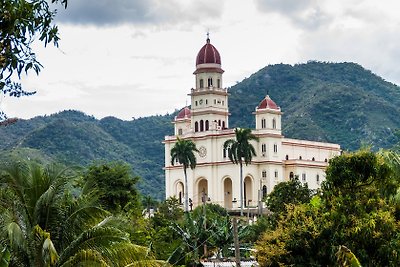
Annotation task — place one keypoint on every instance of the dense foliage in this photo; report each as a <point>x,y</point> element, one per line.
<point>46,221</point>
<point>355,213</point>
<point>290,192</point>
<point>115,184</point>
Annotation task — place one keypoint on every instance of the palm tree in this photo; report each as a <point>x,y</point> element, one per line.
<point>240,150</point>
<point>43,224</point>
<point>183,153</point>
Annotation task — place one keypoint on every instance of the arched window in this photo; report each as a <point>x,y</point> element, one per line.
<point>219,122</point>
<point>291,176</point>
<point>263,149</point>
<point>300,157</point>
<point>210,82</point>
<point>287,157</point>
<point>196,126</point>
<point>263,124</point>
<point>313,159</point>
<point>207,125</point>
<point>274,123</point>
<point>224,153</point>
<point>201,83</point>
<point>223,125</point>
<point>317,178</point>
<point>276,174</point>
<point>264,191</point>
<point>303,177</point>
<point>275,148</point>
<point>264,174</point>
<point>180,197</point>
<point>218,83</point>
<point>326,160</point>
<point>201,125</point>
<point>180,131</point>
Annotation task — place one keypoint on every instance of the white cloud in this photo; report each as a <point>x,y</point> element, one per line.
<point>136,58</point>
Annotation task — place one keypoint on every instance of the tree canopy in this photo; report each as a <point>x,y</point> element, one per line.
<point>353,216</point>
<point>290,192</point>
<point>115,184</point>
<point>21,23</point>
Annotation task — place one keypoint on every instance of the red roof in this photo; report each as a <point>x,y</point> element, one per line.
<point>208,54</point>
<point>184,113</point>
<point>268,103</point>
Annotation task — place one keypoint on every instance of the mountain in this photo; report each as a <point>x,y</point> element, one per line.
<point>74,138</point>
<point>335,102</point>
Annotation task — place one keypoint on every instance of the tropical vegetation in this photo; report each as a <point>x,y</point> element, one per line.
<point>183,153</point>
<point>353,219</point>
<point>46,220</point>
<point>240,151</point>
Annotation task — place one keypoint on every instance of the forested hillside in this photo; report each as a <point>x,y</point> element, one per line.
<point>335,102</point>
<point>77,139</point>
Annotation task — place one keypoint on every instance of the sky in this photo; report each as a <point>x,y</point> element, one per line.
<point>135,58</point>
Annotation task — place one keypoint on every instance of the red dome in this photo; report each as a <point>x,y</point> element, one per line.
<point>268,103</point>
<point>183,114</point>
<point>208,54</point>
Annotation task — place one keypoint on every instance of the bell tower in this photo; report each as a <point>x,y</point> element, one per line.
<point>209,110</point>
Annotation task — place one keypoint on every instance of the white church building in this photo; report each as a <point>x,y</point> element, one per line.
<point>215,178</point>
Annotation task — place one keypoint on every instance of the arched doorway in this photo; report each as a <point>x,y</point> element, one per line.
<point>228,193</point>
<point>180,192</point>
<point>248,192</point>
<point>202,191</point>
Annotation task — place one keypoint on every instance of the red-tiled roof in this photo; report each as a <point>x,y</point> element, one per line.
<point>208,54</point>
<point>184,113</point>
<point>268,103</point>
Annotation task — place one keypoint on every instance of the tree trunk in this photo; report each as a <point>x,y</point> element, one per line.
<point>186,191</point>
<point>236,241</point>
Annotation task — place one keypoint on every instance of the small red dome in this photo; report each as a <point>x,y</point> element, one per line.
<point>268,103</point>
<point>185,113</point>
<point>208,54</point>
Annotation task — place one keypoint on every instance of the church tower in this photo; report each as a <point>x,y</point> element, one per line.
<point>209,99</point>
<point>215,179</point>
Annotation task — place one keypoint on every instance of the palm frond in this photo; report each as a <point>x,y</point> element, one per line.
<point>15,236</point>
<point>49,253</point>
<point>87,257</point>
<point>148,263</point>
<point>96,238</point>
<point>78,216</point>
<point>5,257</point>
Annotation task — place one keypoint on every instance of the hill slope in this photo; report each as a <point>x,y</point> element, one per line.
<point>336,102</point>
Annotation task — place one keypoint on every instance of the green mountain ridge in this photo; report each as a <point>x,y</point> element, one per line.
<point>335,102</point>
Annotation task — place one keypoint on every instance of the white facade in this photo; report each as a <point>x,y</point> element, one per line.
<point>216,178</point>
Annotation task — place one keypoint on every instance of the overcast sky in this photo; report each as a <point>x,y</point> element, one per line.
<point>134,58</point>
